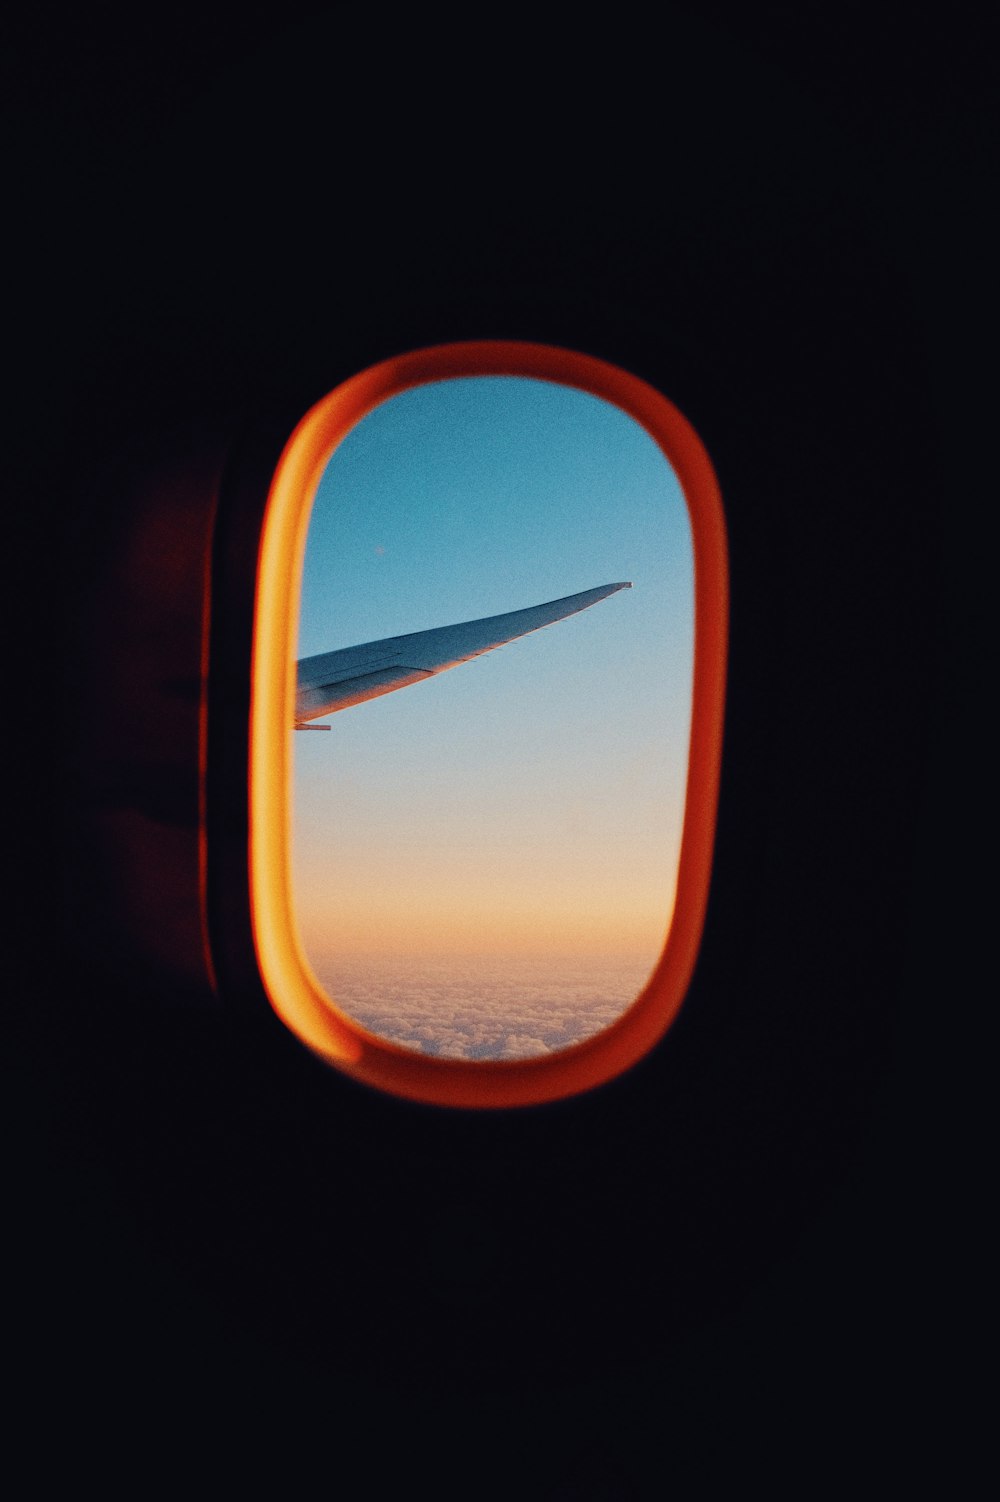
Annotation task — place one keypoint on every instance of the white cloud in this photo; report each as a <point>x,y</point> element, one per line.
<point>483,1009</point>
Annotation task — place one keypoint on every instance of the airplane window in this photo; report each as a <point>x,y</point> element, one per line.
<point>485,858</point>
<point>483,884</point>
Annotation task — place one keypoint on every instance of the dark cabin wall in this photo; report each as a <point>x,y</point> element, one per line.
<point>767,220</point>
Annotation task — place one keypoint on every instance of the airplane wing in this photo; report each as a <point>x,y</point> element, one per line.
<point>338,680</point>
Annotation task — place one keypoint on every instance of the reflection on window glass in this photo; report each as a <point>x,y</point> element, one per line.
<point>485,858</point>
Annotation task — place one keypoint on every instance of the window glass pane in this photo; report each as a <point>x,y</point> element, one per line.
<point>485,858</point>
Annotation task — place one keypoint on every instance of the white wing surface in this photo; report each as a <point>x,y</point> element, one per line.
<point>338,680</point>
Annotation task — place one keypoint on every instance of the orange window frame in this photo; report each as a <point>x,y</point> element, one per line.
<point>293,990</point>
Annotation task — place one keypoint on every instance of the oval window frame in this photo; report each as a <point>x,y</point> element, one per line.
<point>294,992</point>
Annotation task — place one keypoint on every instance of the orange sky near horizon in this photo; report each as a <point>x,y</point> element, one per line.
<point>529,803</point>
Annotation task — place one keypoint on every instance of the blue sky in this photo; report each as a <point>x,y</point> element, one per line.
<point>533,797</point>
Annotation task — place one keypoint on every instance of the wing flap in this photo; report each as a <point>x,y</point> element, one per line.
<point>328,698</point>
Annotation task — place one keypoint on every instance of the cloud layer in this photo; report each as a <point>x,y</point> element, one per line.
<point>484,1008</point>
